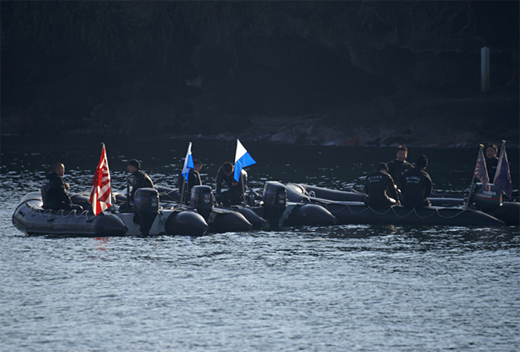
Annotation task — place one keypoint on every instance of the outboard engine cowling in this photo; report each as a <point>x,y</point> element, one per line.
<point>275,200</point>
<point>146,203</point>
<point>485,200</point>
<point>202,200</point>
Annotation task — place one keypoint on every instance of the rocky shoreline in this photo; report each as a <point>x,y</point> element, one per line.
<point>428,122</point>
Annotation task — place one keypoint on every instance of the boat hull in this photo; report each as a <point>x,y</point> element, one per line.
<point>30,218</point>
<point>349,211</point>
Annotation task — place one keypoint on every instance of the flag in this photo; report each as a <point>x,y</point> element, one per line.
<point>502,175</point>
<point>188,164</point>
<point>481,169</point>
<point>101,193</point>
<point>242,159</point>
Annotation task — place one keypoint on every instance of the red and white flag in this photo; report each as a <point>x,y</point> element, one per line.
<point>481,169</point>
<point>101,193</point>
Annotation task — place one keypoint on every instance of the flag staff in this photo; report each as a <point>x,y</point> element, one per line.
<point>188,164</point>
<point>182,192</point>
<point>243,187</point>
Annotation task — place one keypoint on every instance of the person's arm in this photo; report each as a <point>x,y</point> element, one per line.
<point>195,178</point>
<point>219,180</point>
<point>392,189</point>
<point>242,184</point>
<point>147,181</point>
<point>63,196</point>
<point>428,187</point>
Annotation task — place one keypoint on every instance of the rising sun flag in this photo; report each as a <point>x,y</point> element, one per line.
<point>101,193</point>
<point>481,169</point>
<point>502,175</point>
<point>242,159</point>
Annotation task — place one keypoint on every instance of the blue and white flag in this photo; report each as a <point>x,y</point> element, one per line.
<point>502,175</point>
<point>242,159</point>
<point>188,164</point>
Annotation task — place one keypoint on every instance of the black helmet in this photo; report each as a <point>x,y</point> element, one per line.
<point>135,163</point>
<point>382,166</point>
<point>422,161</point>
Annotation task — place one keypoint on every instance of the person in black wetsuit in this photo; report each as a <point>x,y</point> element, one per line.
<point>235,191</point>
<point>491,161</point>
<point>417,184</point>
<point>193,180</point>
<point>141,179</point>
<point>399,165</point>
<point>380,187</point>
<point>54,190</point>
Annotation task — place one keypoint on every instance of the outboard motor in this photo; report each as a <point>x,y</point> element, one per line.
<point>487,201</point>
<point>202,200</point>
<point>275,201</point>
<point>146,203</point>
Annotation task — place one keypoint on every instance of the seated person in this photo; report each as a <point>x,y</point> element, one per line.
<point>491,161</point>
<point>235,191</point>
<point>416,184</point>
<point>398,166</point>
<point>380,188</point>
<point>54,190</point>
<point>141,179</point>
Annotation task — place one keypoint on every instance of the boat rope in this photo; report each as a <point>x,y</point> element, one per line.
<point>451,217</point>
<point>393,209</point>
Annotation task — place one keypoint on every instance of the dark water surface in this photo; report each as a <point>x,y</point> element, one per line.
<point>341,288</point>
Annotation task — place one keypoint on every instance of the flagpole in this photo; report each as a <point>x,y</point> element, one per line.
<point>182,193</point>
<point>188,164</point>
<point>473,179</point>
<point>499,164</point>
<point>243,187</point>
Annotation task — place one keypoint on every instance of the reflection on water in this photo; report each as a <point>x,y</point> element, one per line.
<point>336,288</point>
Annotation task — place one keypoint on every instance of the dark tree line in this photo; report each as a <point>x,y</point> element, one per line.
<point>216,57</point>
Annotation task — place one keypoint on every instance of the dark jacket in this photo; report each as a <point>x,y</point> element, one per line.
<point>396,168</point>
<point>417,186</point>
<point>225,180</point>
<point>54,193</point>
<point>380,188</point>
<point>193,180</point>
<point>491,166</point>
<point>141,180</point>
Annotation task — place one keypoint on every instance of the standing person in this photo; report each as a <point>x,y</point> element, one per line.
<point>193,179</point>
<point>235,190</point>
<point>417,184</point>
<point>141,179</point>
<point>399,165</point>
<point>491,161</point>
<point>54,190</point>
<point>380,187</point>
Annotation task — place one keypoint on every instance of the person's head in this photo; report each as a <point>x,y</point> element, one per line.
<point>491,151</point>
<point>382,166</point>
<point>422,161</point>
<point>402,153</point>
<point>197,164</point>
<point>228,168</point>
<point>133,165</point>
<point>58,168</point>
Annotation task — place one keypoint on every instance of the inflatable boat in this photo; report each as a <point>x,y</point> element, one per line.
<point>349,208</point>
<point>149,219</point>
